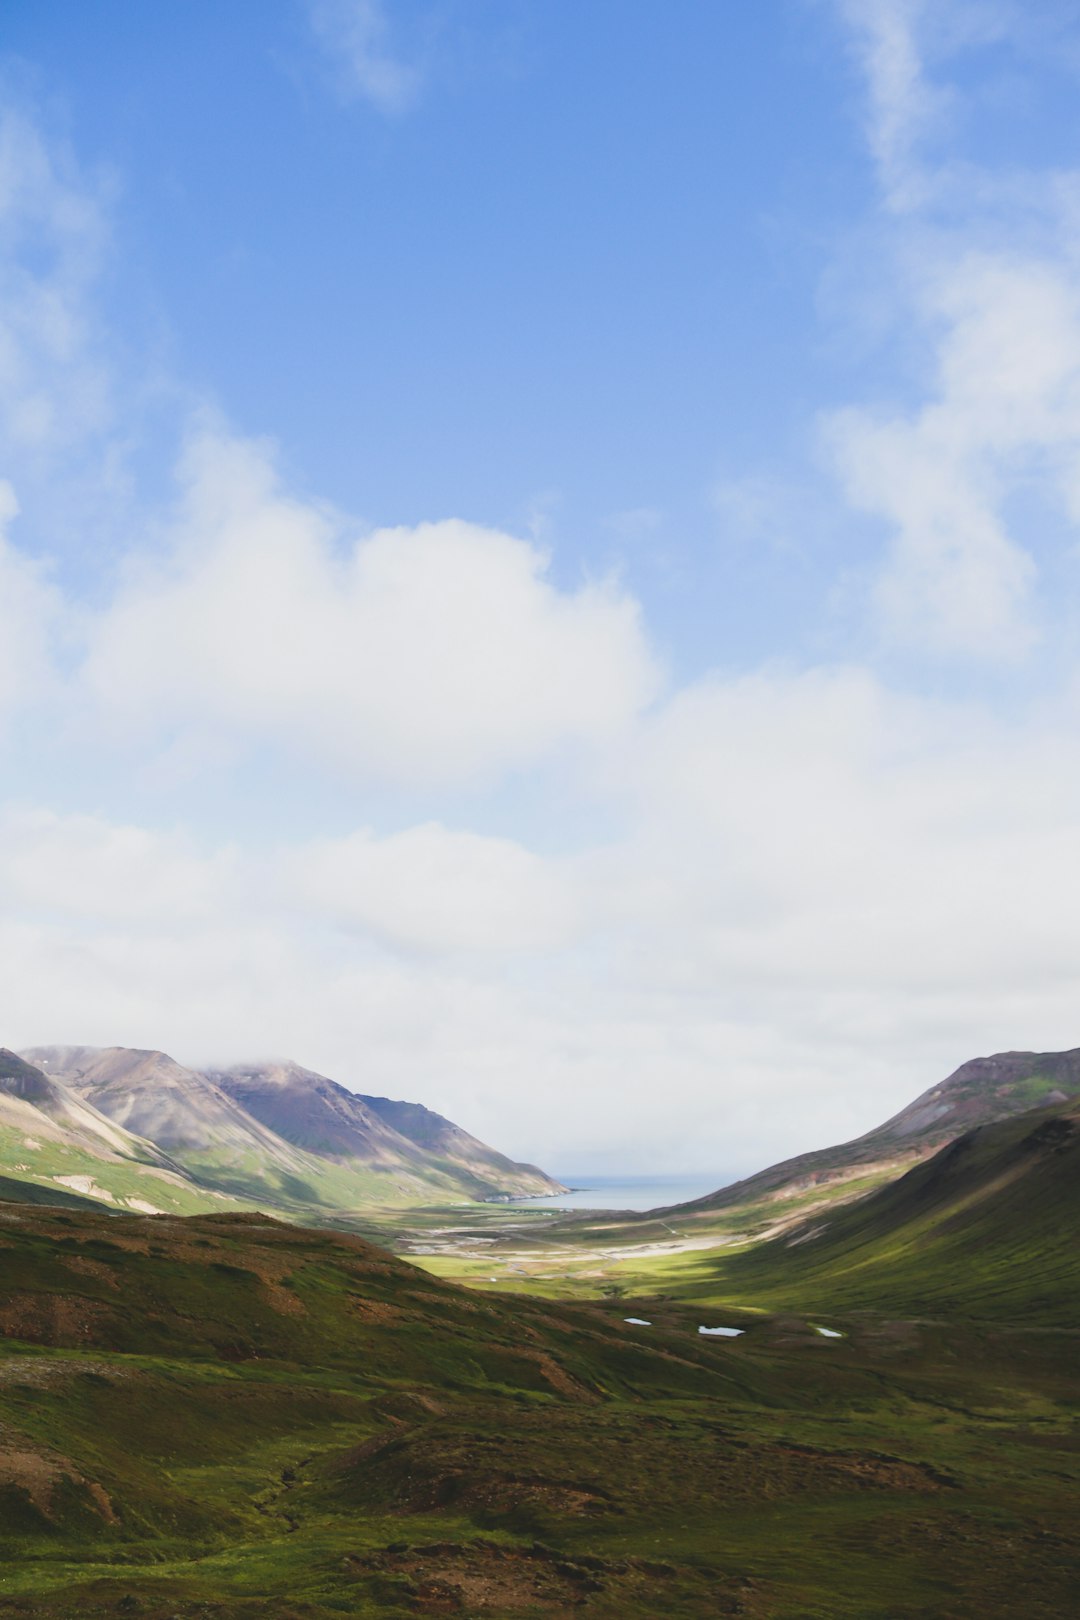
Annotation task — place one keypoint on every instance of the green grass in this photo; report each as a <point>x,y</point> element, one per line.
<point>40,1161</point>
<point>292,1423</point>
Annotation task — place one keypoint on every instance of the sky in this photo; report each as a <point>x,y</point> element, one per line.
<point>540,552</point>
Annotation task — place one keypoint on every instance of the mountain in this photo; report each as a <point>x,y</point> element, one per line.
<point>448,1144</point>
<point>980,1092</point>
<point>55,1139</point>
<point>318,1114</point>
<point>23,1087</point>
<point>150,1093</point>
<point>273,1134</point>
<point>986,1227</point>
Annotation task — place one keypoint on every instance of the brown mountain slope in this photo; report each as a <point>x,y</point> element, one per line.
<point>464,1154</point>
<point>183,1111</point>
<point>277,1134</point>
<point>325,1118</point>
<point>40,1104</point>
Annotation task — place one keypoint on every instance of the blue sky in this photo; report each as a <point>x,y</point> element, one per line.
<point>541,549</point>
<point>572,282</point>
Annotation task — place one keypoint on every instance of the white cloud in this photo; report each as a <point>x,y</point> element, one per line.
<point>831,837</point>
<point>79,869</point>
<point>910,109</point>
<point>822,898</point>
<point>901,102</point>
<point>53,380</point>
<point>991,303</point>
<point>30,608</point>
<point>434,654</point>
<point>432,888</point>
<point>356,34</point>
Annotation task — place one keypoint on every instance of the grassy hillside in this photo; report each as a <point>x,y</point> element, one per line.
<point>986,1228</point>
<point>57,1141</point>
<point>15,1191</point>
<point>228,1417</point>
<point>689,1247</point>
<point>978,1093</point>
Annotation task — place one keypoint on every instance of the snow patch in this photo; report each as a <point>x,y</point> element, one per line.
<point>86,1185</point>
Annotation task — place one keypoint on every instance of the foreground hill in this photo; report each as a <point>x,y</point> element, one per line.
<point>276,1136</point>
<point>988,1227</point>
<point>229,1418</point>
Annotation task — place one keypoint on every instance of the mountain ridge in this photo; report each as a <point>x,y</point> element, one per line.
<point>218,1130</point>
<point>981,1091</point>
<point>986,1226</point>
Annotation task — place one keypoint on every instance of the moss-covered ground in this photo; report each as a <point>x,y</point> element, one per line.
<point>227,1416</point>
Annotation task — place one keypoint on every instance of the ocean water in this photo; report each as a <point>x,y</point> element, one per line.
<point>626,1192</point>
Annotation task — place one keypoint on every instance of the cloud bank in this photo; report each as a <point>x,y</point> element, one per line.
<point>559,897</point>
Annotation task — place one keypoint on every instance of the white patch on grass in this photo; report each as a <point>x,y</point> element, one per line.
<point>86,1185</point>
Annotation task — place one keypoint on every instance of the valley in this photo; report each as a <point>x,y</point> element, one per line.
<point>836,1393</point>
<point>229,1416</point>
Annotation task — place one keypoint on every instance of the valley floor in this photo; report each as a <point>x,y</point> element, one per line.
<point>228,1417</point>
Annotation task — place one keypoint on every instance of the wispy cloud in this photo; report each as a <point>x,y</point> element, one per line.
<point>53,381</point>
<point>988,290</point>
<point>358,37</point>
<point>900,101</point>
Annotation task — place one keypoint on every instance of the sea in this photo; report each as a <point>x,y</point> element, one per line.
<point>626,1192</point>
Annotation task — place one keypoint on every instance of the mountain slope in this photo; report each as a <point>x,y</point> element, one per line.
<point>25,1087</point>
<point>273,1134</point>
<point>987,1227</point>
<point>180,1109</point>
<point>323,1117</point>
<point>52,1139</point>
<point>463,1154</point>
<point>314,1113</point>
<point>220,1144</point>
<point>980,1092</point>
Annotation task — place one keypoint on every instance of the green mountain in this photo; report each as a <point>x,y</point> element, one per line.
<point>987,1227</point>
<point>685,1249</point>
<point>274,1135</point>
<point>980,1092</point>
